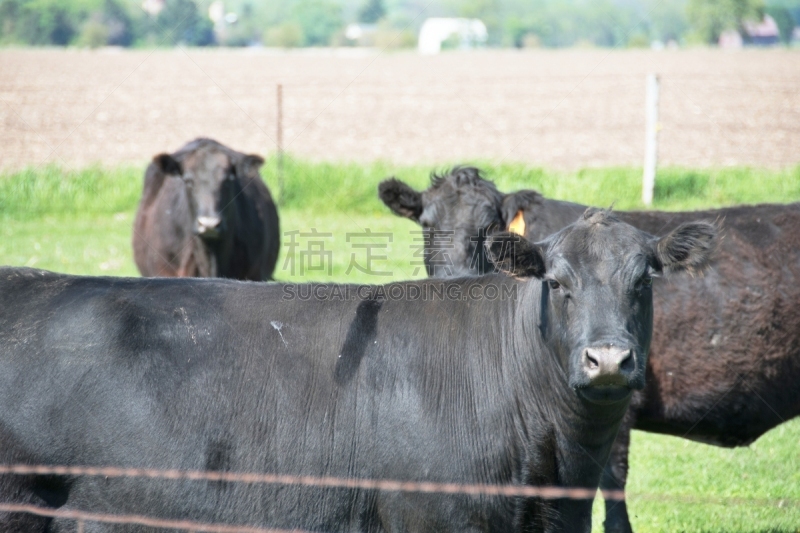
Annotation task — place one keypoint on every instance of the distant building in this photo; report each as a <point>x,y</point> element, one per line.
<point>764,33</point>
<point>361,34</point>
<point>434,31</point>
<point>216,11</point>
<point>153,7</point>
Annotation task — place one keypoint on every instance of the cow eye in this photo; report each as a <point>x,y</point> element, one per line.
<point>554,285</point>
<point>645,282</point>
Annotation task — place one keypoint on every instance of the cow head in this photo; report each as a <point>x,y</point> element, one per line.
<point>211,175</point>
<point>456,212</point>
<point>596,307</point>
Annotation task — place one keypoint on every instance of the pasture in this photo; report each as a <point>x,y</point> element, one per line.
<point>80,222</point>
<point>79,127</point>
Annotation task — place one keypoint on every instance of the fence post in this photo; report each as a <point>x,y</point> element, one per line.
<point>279,142</point>
<point>651,140</point>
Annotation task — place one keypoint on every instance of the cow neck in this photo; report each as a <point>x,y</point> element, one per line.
<point>544,387</point>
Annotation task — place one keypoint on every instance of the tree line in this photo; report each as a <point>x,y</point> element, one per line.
<point>290,23</point>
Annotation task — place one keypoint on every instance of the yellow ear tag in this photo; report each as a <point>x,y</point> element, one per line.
<point>518,224</point>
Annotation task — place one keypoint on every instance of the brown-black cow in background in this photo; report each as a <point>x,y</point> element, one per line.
<point>724,366</point>
<point>205,212</point>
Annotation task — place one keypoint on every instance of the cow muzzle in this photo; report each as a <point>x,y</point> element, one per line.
<point>607,372</point>
<point>208,227</point>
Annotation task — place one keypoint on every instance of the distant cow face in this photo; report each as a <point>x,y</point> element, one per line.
<point>596,299</point>
<point>210,176</point>
<point>456,212</point>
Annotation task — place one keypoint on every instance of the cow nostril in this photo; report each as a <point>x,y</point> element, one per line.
<point>627,362</point>
<point>608,361</point>
<point>591,361</point>
<point>208,222</point>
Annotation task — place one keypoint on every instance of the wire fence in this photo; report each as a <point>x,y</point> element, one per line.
<point>322,482</point>
<point>82,517</point>
<point>547,493</point>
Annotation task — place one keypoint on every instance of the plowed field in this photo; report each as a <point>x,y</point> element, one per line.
<point>561,109</point>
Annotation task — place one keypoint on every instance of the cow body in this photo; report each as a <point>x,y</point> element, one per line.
<point>234,376</point>
<point>725,357</point>
<point>205,212</point>
<point>724,363</point>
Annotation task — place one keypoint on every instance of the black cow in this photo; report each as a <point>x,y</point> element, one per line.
<point>205,212</point>
<point>377,382</point>
<point>725,358</point>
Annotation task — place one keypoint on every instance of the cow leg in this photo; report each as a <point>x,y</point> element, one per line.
<point>573,516</point>
<point>615,476</point>
<point>188,266</point>
<point>198,261</point>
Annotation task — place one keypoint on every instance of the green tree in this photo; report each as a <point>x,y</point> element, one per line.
<point>94,33</point>
<point>489,11</point>
<point>43,22</point>
<point>319,19</point>
<point>118,22</point>
<point>182,22</point>
<point>605,24</point>
<point>372,12</point>
<point>556,23</point>
<point>287,35</point>
<point>709,18</point>
<point>784,20</point>
<point>56,22</point>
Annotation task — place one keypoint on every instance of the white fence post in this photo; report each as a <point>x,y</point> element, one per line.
<point>651,139</point>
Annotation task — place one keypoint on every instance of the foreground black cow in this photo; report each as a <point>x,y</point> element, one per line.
<point>205,212</point>
<point>725,358</point>
<point>377,383</point>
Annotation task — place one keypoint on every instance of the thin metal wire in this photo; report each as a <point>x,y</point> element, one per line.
<point>190,526</point>
<point>140,520</point>
<point>547,492</point>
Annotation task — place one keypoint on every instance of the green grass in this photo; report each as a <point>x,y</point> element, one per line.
<point>80,222</point>
<point>678,485</point>
<point>93,244</point>
<point>351,188</point>
<point>33,193</point>
<point>100,245</point>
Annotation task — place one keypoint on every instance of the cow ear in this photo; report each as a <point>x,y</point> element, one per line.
<point>401,199</point>
<point>515,255</point>
<point>248,166</point>
<point>688,247</point>
<point>168,164</point>
<point>514,207</point>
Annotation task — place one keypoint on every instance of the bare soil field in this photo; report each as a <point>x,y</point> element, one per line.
<point>561,109</point>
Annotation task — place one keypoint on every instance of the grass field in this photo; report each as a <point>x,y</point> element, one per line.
<point>80,222</point>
